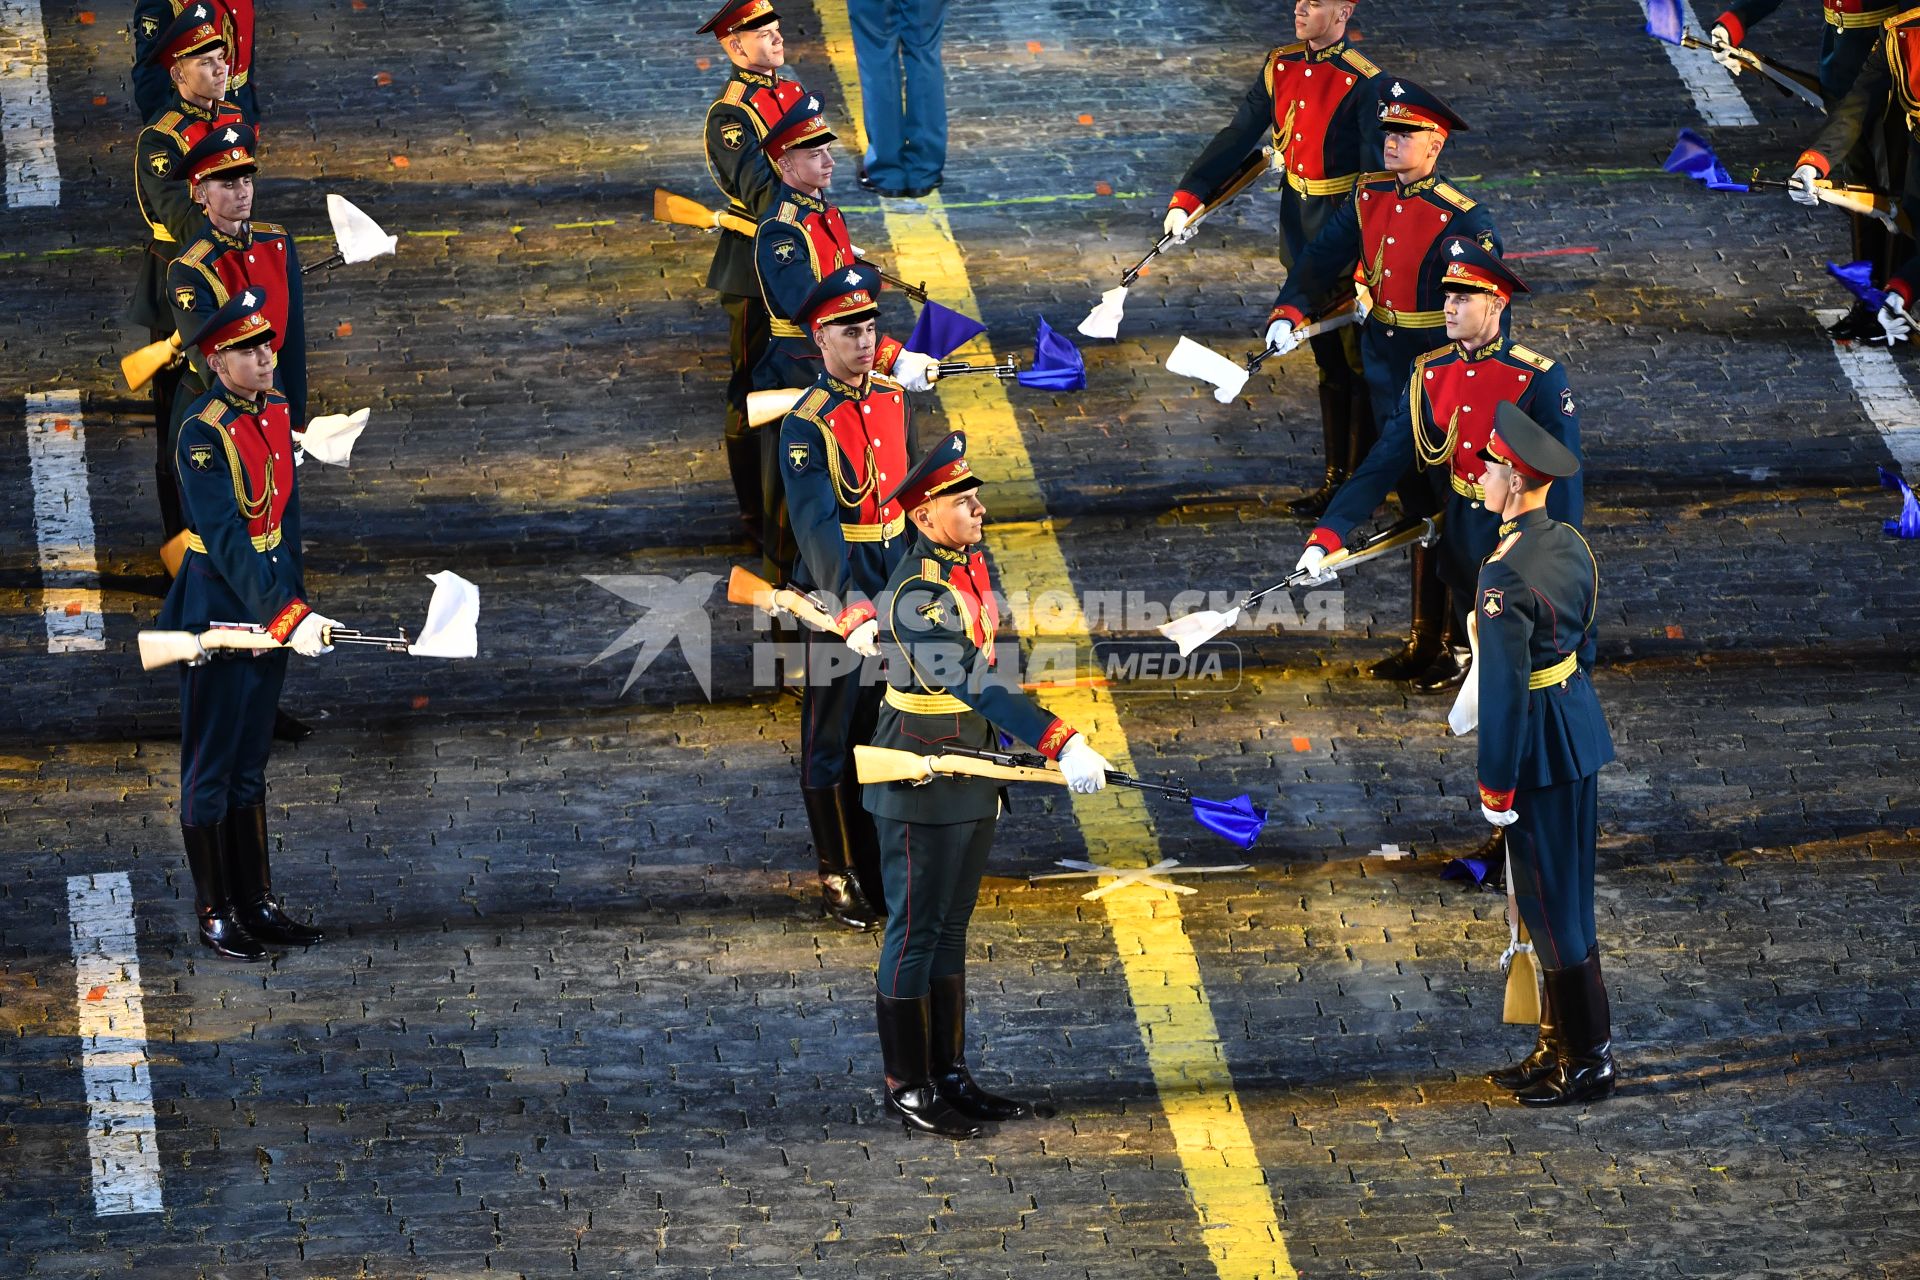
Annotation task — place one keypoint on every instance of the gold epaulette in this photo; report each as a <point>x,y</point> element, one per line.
<point>269,228</point>
<point>1452,195</point>
<point>886,380</point>
<point>1506,545</point>
<point>165,124</point>
<point>1358,61</point>
<point>930,569</point>
<point>214,415</point>
<point>197,254</point>
<point>810,403</point>
<point>1527,355</point>
<point>1369,179</point>
<point>787,212</point>
<point>736,93</point>
<point>1287,50</point>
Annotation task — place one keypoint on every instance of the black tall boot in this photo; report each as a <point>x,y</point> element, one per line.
<point>743,465</point>
<point>1423,637</point>
<point>252,882</point>
<point>1583,1062</point>
<point>220,932</point>
<point>1546,1051</point>
<point>1448,671</point>
<point>863,845</point>
<point>840,894</point>
<point>904,1029</point>
<point>947,1060</point>
<point>1334,399</point>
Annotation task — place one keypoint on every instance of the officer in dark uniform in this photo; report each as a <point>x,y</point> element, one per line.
<point>237,484</point>
<point>151,88</point>
<point>1316,103</point>
<point>843,448</point>
<point>1848,33</point>
<point>1442,423</point>
<point>937,624</point>
<point>802,240</point>
<point>1388,237</point>
<point>753,98</point>
<point>193,53</point>
<point>1543,739</point>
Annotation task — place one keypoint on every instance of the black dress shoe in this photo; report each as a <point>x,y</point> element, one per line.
<point>917,193</point>
<point>1583,1069</point>
<point>860,176</point>
<point>287,729</point>
<point>1860,324</point>
<point>905,1028</point>
<point>947,1061</point>
<point>1445,673</point>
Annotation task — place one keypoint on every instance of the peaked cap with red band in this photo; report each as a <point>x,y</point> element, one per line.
<point>1405,107</point>
<point>739,15</point>
<point>1526,446</point>
<point>197,28</point>
<point>241,323</point>
<point>1471,267</point>
<point>226,149</point>
<point>844,297</point>
<point>943,470</point>
<point>801,126</point>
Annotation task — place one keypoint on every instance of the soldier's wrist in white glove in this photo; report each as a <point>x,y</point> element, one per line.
<point>915,371</point>
<point>1086,769</point>
<point>1800,187</point>
<point>1175,223</point>
<point>858,252</point>
<point>865,639</point>
<point>1499,817</point>
<point>1282,337</point>
<point>309,639</point>
<point>1895,323</point>
<point>1309,563</point>
<point>1722,41</point>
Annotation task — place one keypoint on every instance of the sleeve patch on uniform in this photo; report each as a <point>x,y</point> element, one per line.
<point>161,163</point>
<point>200,457</point>
<point>784,251</point>
<point>149,27</point>
<point>934,611</point>
<point>1566,402</point>
<point>183,297</point>
<point>1493,601</point>
<point>798,455</point>
<point>733,136</point>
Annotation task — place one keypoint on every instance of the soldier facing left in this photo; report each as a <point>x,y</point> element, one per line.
<point>748,105</point>
<point>234,462</point>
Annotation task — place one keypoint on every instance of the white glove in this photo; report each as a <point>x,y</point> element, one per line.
<point>1498,818</point>
<point>1722,41</point>
<point>1176,225</point>
<point>309,639</point>
<point>1282,336</point>
<point>1800,186</point>
<point>864,639</point>
<point>858,253</point>
<point>915,371</point>
<point>1894,320</point>
<point>1310,561</point>
<point>1086,769</point>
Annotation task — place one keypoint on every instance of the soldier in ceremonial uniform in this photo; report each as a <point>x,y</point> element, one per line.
<point>936,625</point>
<point>753,99</point>
<point>151,18</point>
<point>1315,102</point>
<point>801,241</point>
<point>843,448</point>
<point>1442,423</point>
<point>237,484</point>
<point>1543,740</point>
<point>1388,238</point>
<point>193,52</point>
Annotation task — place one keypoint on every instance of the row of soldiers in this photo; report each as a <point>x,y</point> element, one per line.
<point>224,289</point>
<point>1411,400</point>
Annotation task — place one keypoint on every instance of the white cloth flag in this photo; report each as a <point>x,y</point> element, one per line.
<point>358,236</point>
<point>1465,716</point>
<point>453,619</point>
<point>329,439</point>
<point>1192,360</point>
<point>1104,320</point>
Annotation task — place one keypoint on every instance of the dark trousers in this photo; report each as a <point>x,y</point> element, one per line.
<point>838,708</point>
<point>932,874</point>
<point>1551,850</point>
<point>166,390</point>
<point>226,734</point>
<point>896,44</point>
<point>749,330</point>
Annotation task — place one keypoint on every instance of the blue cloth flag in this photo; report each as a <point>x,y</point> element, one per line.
<point>1237,819</point>
<point>1474,869</point>
<point>1858,277</point>
<point>941,331</point>
<point>1693,157</point>
<point>1907,523</point>
<point>1057,365</point>
<point>1664,21</point>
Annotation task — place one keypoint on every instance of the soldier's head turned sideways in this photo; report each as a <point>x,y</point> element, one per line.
<point>749,31</point>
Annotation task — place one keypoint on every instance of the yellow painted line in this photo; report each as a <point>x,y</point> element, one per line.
<point>1230,1192</point>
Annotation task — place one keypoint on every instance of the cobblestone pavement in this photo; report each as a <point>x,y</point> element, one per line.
<point>581,1017</point>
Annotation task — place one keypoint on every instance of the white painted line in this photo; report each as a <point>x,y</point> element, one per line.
<point>122,1141</point>
<point>1883,393</point>
<point>1716,96</point>
<point>63,520</point>
<point>26,108</point>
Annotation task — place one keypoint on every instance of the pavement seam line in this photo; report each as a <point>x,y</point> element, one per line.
<point>1229,1188</point>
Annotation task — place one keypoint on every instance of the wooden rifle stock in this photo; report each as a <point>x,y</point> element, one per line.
<point>883,764</point>
<point>744,587</point>
<point>140,367</point>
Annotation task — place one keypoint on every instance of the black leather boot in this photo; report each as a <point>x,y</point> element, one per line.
<point>863,845</point>
<point>947,1060</point>
<point>1583,1062</point>
<point>1333,441</point>
<point>1546,1051</point>
<point>904,1029</point>
<point>840,894</point>
<point>252,882</point>
<point>287,729</point>
<point>1423,637</point>
<point>220,932</point>
<point>1860,324</point>
<point>1448,671</point>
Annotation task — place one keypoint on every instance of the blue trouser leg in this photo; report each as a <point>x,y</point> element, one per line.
<point>267,674</point>
<point>831,702</point>
<point>226,732</point>
<point>919,26</point>
<point>1551,850</point>
<point>876,51</point>
<point>932,875</point>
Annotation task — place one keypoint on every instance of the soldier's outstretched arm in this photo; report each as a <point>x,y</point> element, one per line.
<point>1367,488</point>
<point>1324,263</point>
<point>1867,100</point>
<point>1251,126</point>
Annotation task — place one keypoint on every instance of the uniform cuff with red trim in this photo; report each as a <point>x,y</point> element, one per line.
<point>1736,29</point>
<point>1901,287</point>
<point>886,353</point>
<point>1498,801</point>
<point>287,619</point>
<point>1818,161</point>
<point>1055,739</point>
<point>1185,201</point>
<point>1326,539</point>
<point>855,614</point>
<point>1294,314</point>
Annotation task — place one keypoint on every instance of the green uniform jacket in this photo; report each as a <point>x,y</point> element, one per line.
<point>739,118</point>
